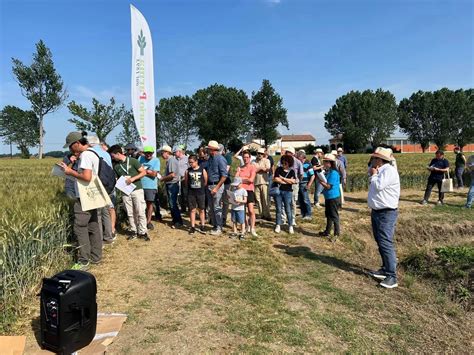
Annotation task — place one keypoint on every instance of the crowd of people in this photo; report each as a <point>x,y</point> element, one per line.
<point>202,186</point>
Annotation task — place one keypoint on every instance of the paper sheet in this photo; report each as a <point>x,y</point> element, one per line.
<point>58,171</point>
<point>321,176</point>
<point>122,186</point>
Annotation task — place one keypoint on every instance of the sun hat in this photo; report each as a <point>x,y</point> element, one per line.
<point>92,140</point>
<point>339,149</point>
<point>383,153</point>
<point>291,150</point>
<point>148,149</point>
<point>237,181</point>
<point>213,145</point>
<point>166,148</point>
<point>72,138</point>
<point>329,157</point>
<point>318,150</point>
<point>261,151</point>
<point>131,146</point>
<point>334,152</point>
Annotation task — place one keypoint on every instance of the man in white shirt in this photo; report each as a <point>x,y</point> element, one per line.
<point>384,193</point>
<point>87,224</point>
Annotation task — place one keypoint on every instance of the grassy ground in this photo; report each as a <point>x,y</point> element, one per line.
<point>282,293</point>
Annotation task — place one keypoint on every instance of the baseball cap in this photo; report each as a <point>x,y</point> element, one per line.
<point>148,149</point>
<point>237,181</point>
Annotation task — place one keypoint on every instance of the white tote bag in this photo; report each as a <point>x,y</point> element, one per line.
<point>92,194</point>
<point>447,184</point>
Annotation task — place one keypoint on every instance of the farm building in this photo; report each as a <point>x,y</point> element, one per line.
<point>285,141</point>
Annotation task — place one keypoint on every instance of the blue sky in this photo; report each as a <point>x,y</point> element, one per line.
<point>311,51</point>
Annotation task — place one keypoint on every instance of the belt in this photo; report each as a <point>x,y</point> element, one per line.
<point>386,209</point>
<point>213,182</point>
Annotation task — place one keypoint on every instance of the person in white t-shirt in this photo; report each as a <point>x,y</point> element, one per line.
<point>87,225</point>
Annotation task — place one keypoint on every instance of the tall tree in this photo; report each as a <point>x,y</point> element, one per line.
<point>442,118</point>
<point>462,117</point>
<point>129,133</point>
<point>101,119</point>
<point>415,116</point>
<point>222,113</point>
<point>41,85</point>
<point>19,127</point>
<point>363,118</point>
<point>267,113</point>
<point>175,120</point>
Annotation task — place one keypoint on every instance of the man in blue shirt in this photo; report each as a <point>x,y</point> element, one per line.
<point>305,185</point>
<point>150,181</point>
<point>438,167</point>
<point>217,175</point>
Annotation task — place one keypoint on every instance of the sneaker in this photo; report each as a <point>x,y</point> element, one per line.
<point>132,236</point>
<point>150,226</point>
<point>307,218</point>
<point>323,234</point>
<point>145,237</point>
<point>440,203</point>
<point>192,230</point>
<point>80,266</point>
<point>424,202</point>
<point>241,236</point>
<point>294,223</point>
<point>317,205</point>
<point>202,230</point>
<point>108,241</point>
<point>389,282</point>
<point>290,230</point>
<point>379,274</point>
<point>254,233</point>
<point>216,231</point>
<point>277,229</point>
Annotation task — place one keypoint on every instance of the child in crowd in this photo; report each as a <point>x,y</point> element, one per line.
<point>331,194</point>
<point>195,181</point>
<point>238,199</point>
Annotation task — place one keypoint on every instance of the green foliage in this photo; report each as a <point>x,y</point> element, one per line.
<point>222,113</point>
<point>56,154</point>
<point>267,113</point>
<point>129,133</point>
<point>308,148</point>
<point>41,85</point>
<point>19,127</point>
<point>363,118</point>
<point>175,120</point>
<point>101,120</point>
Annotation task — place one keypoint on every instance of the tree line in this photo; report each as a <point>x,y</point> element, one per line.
<point>228,115</point>
<point>369,117</point>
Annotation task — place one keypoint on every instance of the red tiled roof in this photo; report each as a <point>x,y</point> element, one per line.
<point>297,137</point>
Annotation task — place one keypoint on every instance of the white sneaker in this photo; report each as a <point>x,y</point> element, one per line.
<point>254,233</point>
<point>294,223</point>
<point>277,228</point>
<point>290,230</point>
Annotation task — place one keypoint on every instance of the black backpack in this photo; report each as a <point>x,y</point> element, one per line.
<point>106,173</point>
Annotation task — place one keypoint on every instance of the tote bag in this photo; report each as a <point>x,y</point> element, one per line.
<point>447,184</point>
<point>92,194</point>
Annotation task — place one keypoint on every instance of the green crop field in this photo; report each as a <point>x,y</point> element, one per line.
<point>35,223</point>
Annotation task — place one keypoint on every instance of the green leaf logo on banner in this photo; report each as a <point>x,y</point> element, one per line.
<point>141,42</point>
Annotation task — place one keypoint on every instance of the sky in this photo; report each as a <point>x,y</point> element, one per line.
<point>311,51</point>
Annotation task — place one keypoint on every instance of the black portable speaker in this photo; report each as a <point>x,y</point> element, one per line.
<point>68,311</point>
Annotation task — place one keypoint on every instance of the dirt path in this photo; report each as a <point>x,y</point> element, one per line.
<point>301,293</point>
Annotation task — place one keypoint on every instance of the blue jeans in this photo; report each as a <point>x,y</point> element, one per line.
<point>318,190</point>
<point>470,194</point>
<point>215,206</point>
<point>459,172</point>
<point>303,199</point>
<point>173,190</point>
<point>383,227</point>
<point>284,199</point>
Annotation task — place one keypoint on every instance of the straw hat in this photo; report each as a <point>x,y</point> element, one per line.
<point>166,148</point>
<point>334,152</point>
<point>261,151</point>
<point>329,157</point>
<point>213,145</point>
<point>318,150</point>
<point>383,153</point>
<point>291,150</point>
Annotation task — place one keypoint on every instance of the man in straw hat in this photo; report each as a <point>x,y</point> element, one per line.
<point>384,193</point>
<point>217,175</point>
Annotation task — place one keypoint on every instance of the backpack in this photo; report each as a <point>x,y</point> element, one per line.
<point>106,174</point>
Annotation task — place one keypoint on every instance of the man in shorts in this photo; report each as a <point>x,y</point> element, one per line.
<point>149,181</point>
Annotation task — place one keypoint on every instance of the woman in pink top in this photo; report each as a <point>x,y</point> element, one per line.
<point>247,173</point>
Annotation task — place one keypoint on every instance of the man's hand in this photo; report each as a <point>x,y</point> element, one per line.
<point>214,191</point>
<point>128,181</point>
<point>373,171</point>
<point>67,169</point>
